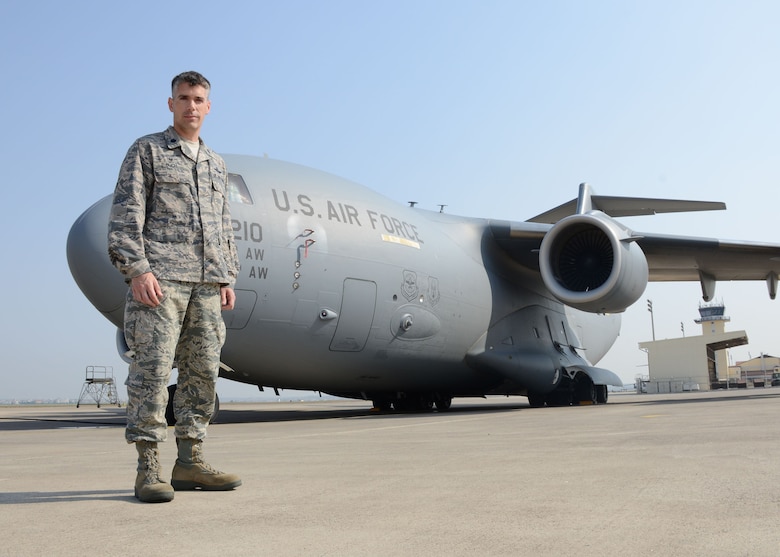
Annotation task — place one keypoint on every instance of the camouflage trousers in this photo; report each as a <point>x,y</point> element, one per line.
<point>185,331</point>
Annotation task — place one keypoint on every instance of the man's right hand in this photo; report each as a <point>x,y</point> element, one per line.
<point>146,290</point>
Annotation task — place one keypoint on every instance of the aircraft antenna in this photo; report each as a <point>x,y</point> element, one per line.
<point>441,208</point>
<point>412,203</point>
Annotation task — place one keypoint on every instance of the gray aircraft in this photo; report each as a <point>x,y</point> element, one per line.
<point>346,292</point>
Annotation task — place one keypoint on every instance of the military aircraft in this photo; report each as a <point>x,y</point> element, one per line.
<point>346,292</point>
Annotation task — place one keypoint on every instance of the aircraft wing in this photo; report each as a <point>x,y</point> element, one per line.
<point>673,258</point>
<point>708,260</point>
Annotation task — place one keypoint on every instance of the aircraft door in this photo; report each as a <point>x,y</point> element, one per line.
<point>355,317</point>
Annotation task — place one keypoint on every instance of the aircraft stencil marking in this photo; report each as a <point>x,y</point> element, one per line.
<point>400,241</point>
<point>258,272</point>
<point>409,285</point>
<point>257,255</point>
<point>247,231</point>
<point>433,290</point>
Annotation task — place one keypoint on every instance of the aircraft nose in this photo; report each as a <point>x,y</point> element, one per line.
<point>87,251</point>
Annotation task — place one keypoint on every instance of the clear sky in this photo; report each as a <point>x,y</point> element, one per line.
<point>496,108</point>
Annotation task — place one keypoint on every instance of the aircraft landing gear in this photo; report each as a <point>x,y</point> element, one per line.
<point>576,391</point>
<point>584,390</point>
<point>536,400</point>
<point>413,404</point>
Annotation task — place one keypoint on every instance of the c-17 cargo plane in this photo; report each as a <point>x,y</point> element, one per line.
<point>346,292</point>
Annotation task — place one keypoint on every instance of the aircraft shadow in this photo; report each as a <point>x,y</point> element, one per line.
<point>263,415</point>
<point>64,420</point>
<point>27,497</point>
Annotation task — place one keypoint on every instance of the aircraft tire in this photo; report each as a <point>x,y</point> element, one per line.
<point>584,390</point>
<point>560,397</point>
<point>443,404</point>
<point>602,394</point>
<point>413,404</point>
<point>169,416</point>
<point>536,400</point>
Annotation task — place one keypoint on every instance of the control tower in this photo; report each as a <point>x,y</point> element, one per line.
<point>713,318</point>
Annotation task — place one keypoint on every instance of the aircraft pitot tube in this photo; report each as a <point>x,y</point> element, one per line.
<point>593,263</point>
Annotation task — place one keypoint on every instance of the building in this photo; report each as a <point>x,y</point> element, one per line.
<point>758,372</point>
<point>692,363</point>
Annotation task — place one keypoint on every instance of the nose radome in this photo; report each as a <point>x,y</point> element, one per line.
<point>87,252</point>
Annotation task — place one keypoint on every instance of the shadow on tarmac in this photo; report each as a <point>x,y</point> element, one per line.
<point>736,395</point>
<point>268,414</point>
<point>64,419</point>
<point>27,497</point>
<point>71,418</point>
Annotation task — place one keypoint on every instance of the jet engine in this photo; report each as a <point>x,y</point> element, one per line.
<point>593,263</point>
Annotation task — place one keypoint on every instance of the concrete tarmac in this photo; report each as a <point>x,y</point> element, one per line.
<point>681,474</point>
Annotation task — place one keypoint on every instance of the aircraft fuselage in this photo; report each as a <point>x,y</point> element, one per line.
<point>345,291</point>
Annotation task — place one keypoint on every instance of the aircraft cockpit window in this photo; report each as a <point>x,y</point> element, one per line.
<point>237,190</point>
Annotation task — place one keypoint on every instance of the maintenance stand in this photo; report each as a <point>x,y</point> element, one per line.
<point>99,385</point>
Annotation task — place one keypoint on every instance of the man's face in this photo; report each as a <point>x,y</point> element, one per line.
<point>189,105</point>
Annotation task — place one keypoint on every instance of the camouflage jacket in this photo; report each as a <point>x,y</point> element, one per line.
<point>171,215</point>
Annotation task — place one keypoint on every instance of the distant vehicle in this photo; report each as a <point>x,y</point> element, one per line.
<point>346,292</point>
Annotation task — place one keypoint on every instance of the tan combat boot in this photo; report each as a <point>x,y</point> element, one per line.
<point>191,472</point>
<point>149,488</point>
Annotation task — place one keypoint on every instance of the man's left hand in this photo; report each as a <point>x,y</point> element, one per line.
<point>228,297</point>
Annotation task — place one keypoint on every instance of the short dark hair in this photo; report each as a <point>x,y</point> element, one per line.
<point>192,78</point>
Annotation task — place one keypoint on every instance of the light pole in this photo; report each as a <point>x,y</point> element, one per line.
<point>652,319</point>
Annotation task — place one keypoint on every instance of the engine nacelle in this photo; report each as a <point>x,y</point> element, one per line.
<point>592,263</point>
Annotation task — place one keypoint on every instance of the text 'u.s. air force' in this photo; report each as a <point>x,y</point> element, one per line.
<point>344,213</point>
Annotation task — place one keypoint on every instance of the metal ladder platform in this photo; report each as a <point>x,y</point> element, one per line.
<point>99,385</point>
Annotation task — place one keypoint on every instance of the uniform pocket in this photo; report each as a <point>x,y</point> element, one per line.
<point>171,209</point>
<point>139,326</point>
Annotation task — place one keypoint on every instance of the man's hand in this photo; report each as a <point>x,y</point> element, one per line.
<point>228,297</point>
<point>146,290</point>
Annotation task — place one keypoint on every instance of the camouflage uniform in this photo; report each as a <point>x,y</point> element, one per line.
<point>170,215</point>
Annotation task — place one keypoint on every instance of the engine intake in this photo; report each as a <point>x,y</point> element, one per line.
<point>592,263</point>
